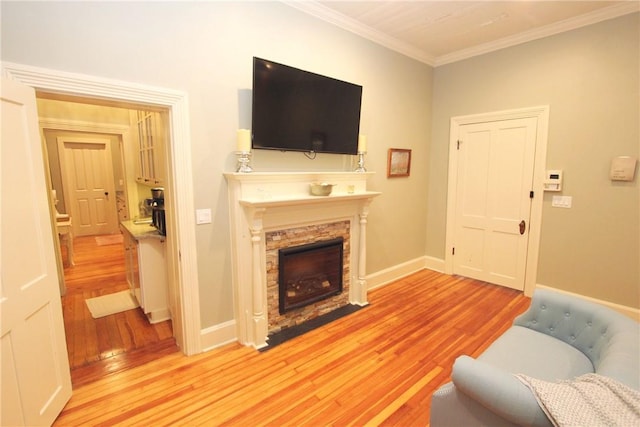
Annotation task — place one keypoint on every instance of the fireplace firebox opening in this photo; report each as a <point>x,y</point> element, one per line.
<point>309,273</point>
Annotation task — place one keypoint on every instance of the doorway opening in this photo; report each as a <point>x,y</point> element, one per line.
<point>181,239</point>
<point>92,266</point>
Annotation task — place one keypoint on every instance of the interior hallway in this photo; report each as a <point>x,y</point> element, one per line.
<point>112,343</point>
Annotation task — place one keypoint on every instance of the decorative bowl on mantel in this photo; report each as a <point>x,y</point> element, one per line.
<point>320,188</point>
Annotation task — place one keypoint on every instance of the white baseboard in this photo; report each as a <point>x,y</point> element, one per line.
<point>391,274</point>
<point>218,335</point>
<point>225,333</point>
<point>631,312</point>
<point>435,264</point>
<point>388,275</point>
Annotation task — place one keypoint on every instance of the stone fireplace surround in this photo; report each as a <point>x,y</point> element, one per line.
<point>293,237</point>
<point>268,202</point>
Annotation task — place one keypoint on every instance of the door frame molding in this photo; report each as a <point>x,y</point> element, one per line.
<point>541,113</point>
<point>182,260</point>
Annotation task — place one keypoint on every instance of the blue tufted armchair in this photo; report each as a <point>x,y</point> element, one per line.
<point>559,337</point>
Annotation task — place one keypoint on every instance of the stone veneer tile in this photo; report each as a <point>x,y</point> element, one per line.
<point>276,240</point>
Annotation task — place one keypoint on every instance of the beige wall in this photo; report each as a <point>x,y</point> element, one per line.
<point>590,79</point>
<point>205,49</point>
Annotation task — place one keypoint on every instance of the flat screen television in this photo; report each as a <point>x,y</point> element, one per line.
<point>296,110</point>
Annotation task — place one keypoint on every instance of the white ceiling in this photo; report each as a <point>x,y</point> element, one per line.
<point>440,32</point>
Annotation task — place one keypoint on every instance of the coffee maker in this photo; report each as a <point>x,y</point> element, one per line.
<point>157,210</point>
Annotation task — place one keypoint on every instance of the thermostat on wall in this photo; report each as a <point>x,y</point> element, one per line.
<point>553,180</point>
<point>623,168</point>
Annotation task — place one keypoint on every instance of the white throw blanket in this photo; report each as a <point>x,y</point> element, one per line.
<point>589,400</point>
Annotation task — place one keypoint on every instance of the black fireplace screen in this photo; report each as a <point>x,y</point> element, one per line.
<point>309,273</point>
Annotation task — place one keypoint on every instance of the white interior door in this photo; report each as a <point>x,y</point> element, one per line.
<point>36,383</point>
<point>495,167</point>
<point>89,191</point>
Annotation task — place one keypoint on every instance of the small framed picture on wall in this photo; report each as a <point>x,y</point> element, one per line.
<point>398,162</point>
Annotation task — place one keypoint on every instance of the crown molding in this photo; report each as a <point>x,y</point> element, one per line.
<point>329,15</point>
<point>541,32</point>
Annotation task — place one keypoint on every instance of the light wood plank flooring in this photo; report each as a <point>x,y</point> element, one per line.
<point>98,347</point>
<point>378,366</point>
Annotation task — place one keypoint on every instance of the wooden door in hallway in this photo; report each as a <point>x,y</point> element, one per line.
<point>494,177</point>
<point>89,191</point>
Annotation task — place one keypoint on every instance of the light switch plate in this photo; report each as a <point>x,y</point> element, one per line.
<point>561,201</point>
<point>203,216</point>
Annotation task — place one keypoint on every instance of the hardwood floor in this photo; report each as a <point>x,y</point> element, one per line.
<point>109,344</point>
<point>378,366</point>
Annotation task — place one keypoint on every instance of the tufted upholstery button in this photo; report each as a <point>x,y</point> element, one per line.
<point>534,321</point>
<point>589,323</point>
<point>544,307</point>
<point>573,337</point>
<point>551,328</point>
<point>567,314</point>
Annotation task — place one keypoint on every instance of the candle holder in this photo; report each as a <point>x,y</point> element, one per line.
<point>244,158</point>
<point>361,167</point>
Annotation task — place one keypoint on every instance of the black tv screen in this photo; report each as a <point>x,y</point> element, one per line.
<point>296,110</point>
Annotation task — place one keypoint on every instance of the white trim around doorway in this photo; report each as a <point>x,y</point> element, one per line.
<point>541,113</point>
<point>183,261</point>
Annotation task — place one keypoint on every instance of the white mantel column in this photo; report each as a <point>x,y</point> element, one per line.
<point>259,298</point>
<point>359,295</point>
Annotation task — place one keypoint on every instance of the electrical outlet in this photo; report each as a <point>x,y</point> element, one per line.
<point>561,202</point>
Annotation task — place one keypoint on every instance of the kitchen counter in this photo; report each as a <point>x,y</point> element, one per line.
<point>145,265</point>
<point>141,231</point>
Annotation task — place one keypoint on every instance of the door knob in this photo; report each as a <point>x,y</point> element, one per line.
<point>523,226</point>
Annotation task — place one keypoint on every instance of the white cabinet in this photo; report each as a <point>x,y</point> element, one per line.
<point>151,137</point>
<point>147,275</point>
<point>131,262</point>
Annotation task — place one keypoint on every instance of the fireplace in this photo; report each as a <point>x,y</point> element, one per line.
<point>270,211</point>
<point>309,273</point>
<point>305,237</point>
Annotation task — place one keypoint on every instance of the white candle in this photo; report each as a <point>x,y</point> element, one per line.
<point>244,140</point>
<point>362,143</point>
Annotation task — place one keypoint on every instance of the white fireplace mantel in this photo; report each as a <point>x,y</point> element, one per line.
<point>270,201</point>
